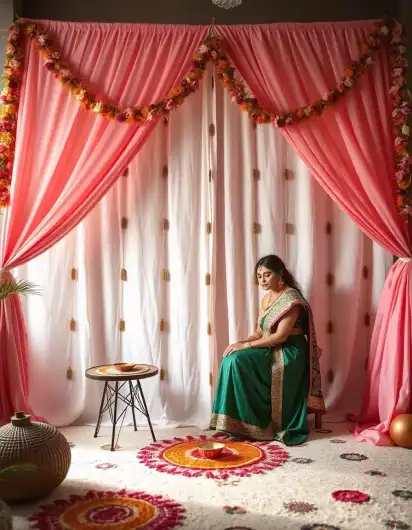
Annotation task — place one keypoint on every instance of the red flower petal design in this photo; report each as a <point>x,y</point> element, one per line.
<point>350,496</point>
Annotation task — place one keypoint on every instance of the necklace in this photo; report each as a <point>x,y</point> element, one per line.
<point>271,300</point>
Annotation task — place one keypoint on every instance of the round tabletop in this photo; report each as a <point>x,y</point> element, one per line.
<point>100,373</point>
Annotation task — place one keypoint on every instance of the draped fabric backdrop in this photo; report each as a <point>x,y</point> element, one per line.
<point>66,159</point>
<point>350,151</point>
<point>259,198</point>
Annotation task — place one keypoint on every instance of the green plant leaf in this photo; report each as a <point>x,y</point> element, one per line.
<point>8,472</point>
<point>11,287</point>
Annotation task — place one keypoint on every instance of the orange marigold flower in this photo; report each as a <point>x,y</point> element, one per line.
<point>6,138</point>
<point>403,184</point>
<point>244,107</point>
<point>400,149</point>
<point>348,72</point>
<point>399,201</point>
<point>145,112</point>
<point>176,91</point>
<point>10,109</point>
<point>4,183</point>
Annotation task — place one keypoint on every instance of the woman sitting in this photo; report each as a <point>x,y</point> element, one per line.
<point>269,382</point>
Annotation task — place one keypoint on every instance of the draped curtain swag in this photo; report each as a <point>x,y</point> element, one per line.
<point>344,81</point>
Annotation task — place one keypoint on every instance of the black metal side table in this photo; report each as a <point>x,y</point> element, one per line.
<point>111,397</point>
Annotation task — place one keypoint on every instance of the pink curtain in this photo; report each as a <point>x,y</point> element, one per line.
<point>350,152</point>
<point>66,159</point>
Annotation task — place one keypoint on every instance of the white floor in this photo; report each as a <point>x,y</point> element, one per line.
<point>265,497</point>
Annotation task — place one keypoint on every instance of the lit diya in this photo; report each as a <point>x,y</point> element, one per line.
<point>211,450</point>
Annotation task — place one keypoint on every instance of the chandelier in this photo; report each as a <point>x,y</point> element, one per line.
<point>227,4</point>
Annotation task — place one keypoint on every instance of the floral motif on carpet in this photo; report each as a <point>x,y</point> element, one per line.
<point>403,494</point>
<point>299,507</point>
<point>350,496</point>
<point>354,457</point>
<point>318,526</point>
<point>300,460</point>
<point>375,473</point>
<point>400,525</point>
<point>181,456</point>
<point>116,510</point>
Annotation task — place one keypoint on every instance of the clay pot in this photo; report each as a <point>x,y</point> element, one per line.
<point>40,451</point>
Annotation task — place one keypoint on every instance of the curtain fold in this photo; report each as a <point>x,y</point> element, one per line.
<point>66,159</point>
<point>349,150</point>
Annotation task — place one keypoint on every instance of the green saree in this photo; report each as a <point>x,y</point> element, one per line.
<point>265,393</point>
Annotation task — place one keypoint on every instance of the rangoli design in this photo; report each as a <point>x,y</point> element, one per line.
<point>181,456</point>
<point>121,510</point>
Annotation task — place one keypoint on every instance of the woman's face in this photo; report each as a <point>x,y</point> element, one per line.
<point>267,279</point>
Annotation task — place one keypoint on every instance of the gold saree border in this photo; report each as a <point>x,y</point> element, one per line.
<point>276,391</point>
<point>222,422</point>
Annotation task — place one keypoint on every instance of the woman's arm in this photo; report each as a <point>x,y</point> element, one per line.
<point>255,336</point>
<point>258,333</point>
<point>282,332</point>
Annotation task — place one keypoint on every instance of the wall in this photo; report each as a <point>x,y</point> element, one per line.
<point>6,19</point>
<point>202,11</point>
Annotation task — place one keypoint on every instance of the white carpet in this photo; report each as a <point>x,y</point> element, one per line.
<point>263,497</point>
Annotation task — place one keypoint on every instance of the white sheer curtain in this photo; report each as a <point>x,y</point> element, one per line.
<point>155,227</point>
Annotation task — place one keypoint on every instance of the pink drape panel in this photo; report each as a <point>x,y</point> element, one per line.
<point>66,159</point>
<point>350,152</point>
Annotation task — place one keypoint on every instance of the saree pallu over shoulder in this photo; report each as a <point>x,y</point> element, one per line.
<point>273,315</point>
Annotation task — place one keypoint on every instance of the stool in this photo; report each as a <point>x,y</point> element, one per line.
<point>134,397</point>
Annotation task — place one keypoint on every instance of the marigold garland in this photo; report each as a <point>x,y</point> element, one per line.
<point>211,50</point>
<point>8,114</point>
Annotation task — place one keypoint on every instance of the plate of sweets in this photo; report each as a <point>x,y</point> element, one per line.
<point>123,368</point>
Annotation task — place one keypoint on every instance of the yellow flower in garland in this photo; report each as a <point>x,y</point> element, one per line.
<point>98,107</point>
<point>6,138</point>
<point>10,109</point>
<point>81,96</point>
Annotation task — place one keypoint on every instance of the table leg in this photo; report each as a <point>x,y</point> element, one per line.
<point>146,412</point>
<point>99,419</point>
<point>116,393</point>
<point>132,403</point>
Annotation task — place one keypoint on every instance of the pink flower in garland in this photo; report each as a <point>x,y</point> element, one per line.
<point>396,34</point>
<point>170,104</point>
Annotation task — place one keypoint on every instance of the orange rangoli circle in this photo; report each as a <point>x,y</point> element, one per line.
<point>235,455</point>
<point>119,514</point>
